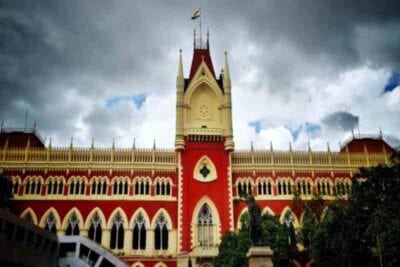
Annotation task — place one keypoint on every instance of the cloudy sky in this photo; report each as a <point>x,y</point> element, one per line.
<point>302,71</point>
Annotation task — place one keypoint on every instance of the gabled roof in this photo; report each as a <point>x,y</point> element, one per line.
<point>198,55</point>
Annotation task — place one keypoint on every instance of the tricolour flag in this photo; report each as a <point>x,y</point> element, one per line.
<point>196,14</point>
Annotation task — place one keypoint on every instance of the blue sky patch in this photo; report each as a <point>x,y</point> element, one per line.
<point>256,124</point>
<point>138,100</point>
<point>308,127</point>
<point>393,82</point>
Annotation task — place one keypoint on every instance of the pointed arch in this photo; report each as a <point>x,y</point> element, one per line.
<point>294,217</point>
<point>267,209</point>
<point>144,214</point>
<point>167,216</point>
<point>239,223</point>
<point>160,264</point>
<point>204,170</point>
<point>56,215</point>
<point>69,214</point>
<point>32,214</point>
<point>112,215</point>
<point>206,200</point>
<point>216,222</point>
<point>138,264</point>
<point>91,214</point>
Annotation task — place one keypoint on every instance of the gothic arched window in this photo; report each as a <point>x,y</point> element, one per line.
<point>139,232</point>
<point>28,217</point>
<point>50,224</point>
<point>117,232</point>
<point>161,233</point>
<point>73,225</point>
<point>95,231</point>
<point>205,226</point>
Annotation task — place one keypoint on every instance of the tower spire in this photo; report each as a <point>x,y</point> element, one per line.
<point>227,75</point>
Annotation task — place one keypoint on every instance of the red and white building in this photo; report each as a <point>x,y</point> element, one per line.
<point>163,208</point>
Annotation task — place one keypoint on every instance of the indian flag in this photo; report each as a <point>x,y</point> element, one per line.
<point>196,14</point>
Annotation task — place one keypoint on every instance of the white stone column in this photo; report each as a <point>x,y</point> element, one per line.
<point>150,239</point>
<point>105,239</point>
<point>128,241</point>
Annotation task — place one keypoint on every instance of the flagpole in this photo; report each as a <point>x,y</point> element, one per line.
<point>201,34</point>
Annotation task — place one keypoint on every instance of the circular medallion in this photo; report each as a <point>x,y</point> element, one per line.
<point>204,110</point>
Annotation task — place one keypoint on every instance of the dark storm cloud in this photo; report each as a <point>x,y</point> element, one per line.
<point>60,59</point>
<point>341,120</point>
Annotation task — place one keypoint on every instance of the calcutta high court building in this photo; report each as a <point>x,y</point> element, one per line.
<point>159,208</point>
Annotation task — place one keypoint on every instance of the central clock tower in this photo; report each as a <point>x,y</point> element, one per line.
<point>204,142</point>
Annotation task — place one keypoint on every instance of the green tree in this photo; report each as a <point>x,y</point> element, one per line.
<point>363,231</point>
<point>6,193</point>
<point>234,246</point>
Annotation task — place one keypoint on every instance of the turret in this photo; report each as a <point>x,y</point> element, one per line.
<point>226,79</point>
<point>180,87</point>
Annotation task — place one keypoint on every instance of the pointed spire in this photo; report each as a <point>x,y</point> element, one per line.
<point>113,143</point>
<point>180,65</point>
<point>154,144</point>
<point>290,146</point>
<point>208,38</point>
<point>194,38</point>
<point>134,143</point>
<point>2,124</point>
<point>328,147</point>
<point>72,143</point>
<point>309,146</point>
<point>380,133</point>
<point>270,146</point>
<point>50,142</point>
<point>226,74</point>
<point>180,80</point>
<point>251,146</point>
<point>92,146</point>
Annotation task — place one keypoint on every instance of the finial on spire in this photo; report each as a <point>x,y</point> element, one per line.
<point>194,38</point>
<point>180,78</point>
<point>208,38</point>
<point>226,73</point>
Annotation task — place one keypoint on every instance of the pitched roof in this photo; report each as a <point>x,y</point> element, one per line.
<point>198,55</point>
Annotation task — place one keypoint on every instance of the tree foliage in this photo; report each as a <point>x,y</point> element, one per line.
<point>365,229</point>
<point>6,193</point>
<point>234,246</point>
